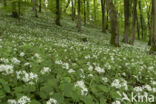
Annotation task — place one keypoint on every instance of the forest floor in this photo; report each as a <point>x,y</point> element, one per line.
<point>48,63</point>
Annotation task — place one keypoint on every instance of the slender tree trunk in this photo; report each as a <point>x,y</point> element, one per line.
<point>79,16</point>
<point>134,22</point>
<point>58,14</point>
<point>138,28</point>
<point>149,23</point>
<point>114,23</point>
<point>67,6</point>
<point>34,7</point>
<point>88,10</point>
<point>107,19</point>
<point>141,19</point>
<point>5,3</point>
<point>19,9</point>
<point>14,10</point>
<point>40,6</point>
<point>73,15</point>
<point>95,10</point>
<point>103,15</point>
<point>85,18</point>
<point>126,14</point>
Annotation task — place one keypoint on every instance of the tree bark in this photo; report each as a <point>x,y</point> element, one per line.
<point>40,6</point>
<point>153,47</point>
<point>5,3</point>
<point>79,16</point>
<point>58,14</point>
<point>95,10</point>
<point>85,18</point>
<point>103,15</point>
<point>14,10</point>
<point>141,19</point>
<point>134,22</point>
<point>114,23</point>
<point>34,7</point>
<point>73,11</point>
<point>126,14</point>
<point>88,10</point>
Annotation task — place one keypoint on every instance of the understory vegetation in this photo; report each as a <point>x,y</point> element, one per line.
<point>42,63</point>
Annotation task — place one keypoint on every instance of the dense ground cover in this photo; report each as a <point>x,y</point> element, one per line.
<point>41,63</point>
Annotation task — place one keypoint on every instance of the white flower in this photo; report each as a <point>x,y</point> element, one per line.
<point>116,83</point>
<point>8,69</point>
<point>37,55</point>
<point>90,75</point>
<point>45,70</point>
<point>84,90</point>
<point>4,60</point>
<point>26,64</point>
<point>22,54</point>
<point>90,68</point>
<point>116,102</point>
<point>148,87</point>
<point>71,71</point>
<point>26,77</point>
<point>51,101</point>
<point>138,89</point>
<point>15,61</point>
<point>105,79</point>
<point>99,69</point>
<point>12,101</point>
<point>24,100</point>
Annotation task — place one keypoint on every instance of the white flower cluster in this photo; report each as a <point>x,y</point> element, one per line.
<point>8,69</point>
<point>39,59</point>
<point>22,100</point>
<point>4,60</point>
<point>119,83</point>
<point>116,102</point>
<point>64,65</point>
<point>145,87</point>
<point>105,79</point>
<point>22,54</point>
<point>99,69</point>
<point>45,70</point>
<point>84,90</point>
<point>26,77</point>
<point>15,61</point>
<point>71,71</point>
<point>52,101</point>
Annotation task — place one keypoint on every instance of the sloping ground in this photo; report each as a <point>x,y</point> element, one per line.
<point>42,63</point>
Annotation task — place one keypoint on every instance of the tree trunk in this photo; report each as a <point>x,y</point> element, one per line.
<point>114,23</point>
<point>34,7</point>
<point>85,18</point>
<point>126,14</point>
<point>5,3</point>
<point>103,15</point>
<point>153,47</point>
<point>107,25</point>
<point>79,16</point>
<point>14,10</point>
<point>40,6</point>
<point>95,10</point>
<point>138,28</point>
<point>88,10</point>
<point>134,22</point>
<point>58,14</point>
<point>73,9</point>
<point>141,19</point>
